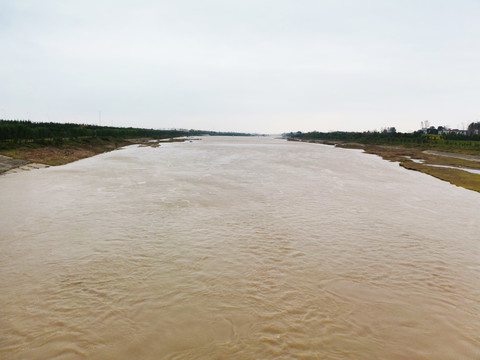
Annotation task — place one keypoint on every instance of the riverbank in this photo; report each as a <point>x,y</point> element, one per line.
<point>456,168</point>
<point>34,156</point>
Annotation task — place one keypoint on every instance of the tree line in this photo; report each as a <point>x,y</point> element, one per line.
<point>26,131</point>
<point>418,138</point>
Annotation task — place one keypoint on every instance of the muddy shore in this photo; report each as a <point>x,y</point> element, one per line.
<point>10,165</point>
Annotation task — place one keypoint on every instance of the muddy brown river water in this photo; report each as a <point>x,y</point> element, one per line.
<point>237,248</point>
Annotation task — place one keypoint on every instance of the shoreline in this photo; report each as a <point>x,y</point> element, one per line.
<point>29,158</point>
<point>457,169</point>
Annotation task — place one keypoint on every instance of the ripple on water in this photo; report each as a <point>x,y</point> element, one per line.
<point>285,250</point>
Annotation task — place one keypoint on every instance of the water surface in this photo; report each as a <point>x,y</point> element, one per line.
<point>237,248</point>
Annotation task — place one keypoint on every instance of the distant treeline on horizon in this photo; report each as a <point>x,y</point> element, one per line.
<point>26,130</point>
<point>387,134</point>
<point>470,140</point>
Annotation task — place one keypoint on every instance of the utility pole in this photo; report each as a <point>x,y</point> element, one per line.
<point>100,118</point>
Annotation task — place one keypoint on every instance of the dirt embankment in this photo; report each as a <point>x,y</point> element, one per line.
<point>54,155</point>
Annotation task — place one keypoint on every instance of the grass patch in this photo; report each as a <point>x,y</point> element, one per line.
<point>454,176</point>
<point>452,161</point>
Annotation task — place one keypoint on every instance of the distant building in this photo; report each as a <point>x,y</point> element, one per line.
<point>441,130</point>
<point>458,132</point>
<point>389,130</point>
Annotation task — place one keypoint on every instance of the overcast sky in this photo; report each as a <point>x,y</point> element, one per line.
<point>266,66</point>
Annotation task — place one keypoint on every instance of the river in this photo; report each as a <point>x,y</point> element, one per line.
<point>237,248</point>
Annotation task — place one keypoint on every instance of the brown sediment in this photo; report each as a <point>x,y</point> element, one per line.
<point>60,155</point>
<point>421,160</point>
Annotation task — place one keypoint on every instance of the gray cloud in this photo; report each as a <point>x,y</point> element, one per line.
<point>267,66</point>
